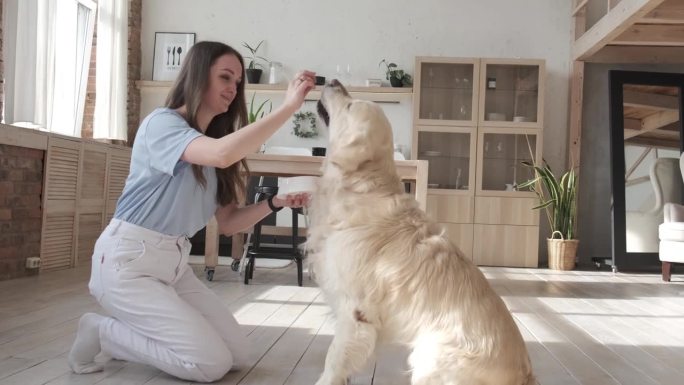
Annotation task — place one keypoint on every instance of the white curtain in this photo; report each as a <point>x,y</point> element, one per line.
<point>46,61</point>
<point>111,75</point>
<point>25,24</point>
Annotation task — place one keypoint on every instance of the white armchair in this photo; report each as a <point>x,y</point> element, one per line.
<point>671,234</point>
<point>642,226</point>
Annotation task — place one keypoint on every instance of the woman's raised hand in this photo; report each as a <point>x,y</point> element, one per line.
<point>298,88</point>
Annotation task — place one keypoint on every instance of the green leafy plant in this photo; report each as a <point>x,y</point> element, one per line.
<point>256,113</point>
<point>393,71</point>
<point>557,196</point>
<point>253,58</point>
<point>305,124</point>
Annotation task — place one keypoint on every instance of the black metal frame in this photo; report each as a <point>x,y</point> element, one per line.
<point>256,250</point>
<point>617,79</point>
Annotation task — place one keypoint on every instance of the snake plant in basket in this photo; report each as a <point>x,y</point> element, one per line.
<point>558,198</point>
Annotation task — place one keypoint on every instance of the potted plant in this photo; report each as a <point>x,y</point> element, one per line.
<point>256,113</point>
<point>254,68</point>
<point>558,198</point>
<point>396,76</point>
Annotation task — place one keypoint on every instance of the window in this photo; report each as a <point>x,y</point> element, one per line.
<point>47,60</point>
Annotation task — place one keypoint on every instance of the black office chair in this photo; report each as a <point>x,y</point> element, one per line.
<point>273,251</point>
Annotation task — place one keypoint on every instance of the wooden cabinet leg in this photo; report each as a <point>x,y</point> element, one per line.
<point>211,244</point>
<point>667,269</point>
<point>237,248</point>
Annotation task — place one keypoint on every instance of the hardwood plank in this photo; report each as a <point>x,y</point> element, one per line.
<point>544,364</point>
<point>612,313</point>
<point>581,327</point>
<point>263,337</point>
<point>391,366</point>
<point>111,369</point>
<point>312,362</point>
<point>131,374</point>
<point>277,364</point>
<point>35,339</point>
<point>40,373</point>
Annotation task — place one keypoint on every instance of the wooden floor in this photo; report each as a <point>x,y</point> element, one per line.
<point>581,328</point>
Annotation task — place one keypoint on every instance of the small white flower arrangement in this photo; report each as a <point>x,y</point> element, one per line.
<point>305,124</point>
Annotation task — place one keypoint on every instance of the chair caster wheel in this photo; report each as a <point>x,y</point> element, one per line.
<point>235,265</point>
<point>210,274</point>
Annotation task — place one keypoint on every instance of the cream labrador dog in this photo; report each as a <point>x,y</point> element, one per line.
<point>389,273</point>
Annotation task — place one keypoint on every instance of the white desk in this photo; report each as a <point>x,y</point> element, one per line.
<point>414,171</point>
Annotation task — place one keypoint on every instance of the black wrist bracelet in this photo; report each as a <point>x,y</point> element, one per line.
<point>271,206</point>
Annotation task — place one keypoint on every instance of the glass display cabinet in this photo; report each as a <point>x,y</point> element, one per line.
<point>476,121</point>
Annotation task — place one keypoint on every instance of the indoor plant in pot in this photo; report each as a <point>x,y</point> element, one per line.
<point>254,68</point>
<point>396,76</point>
<point>257,112</point>
<point>558,198</point>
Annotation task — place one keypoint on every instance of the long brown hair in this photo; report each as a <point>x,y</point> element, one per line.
<point>188,90</point>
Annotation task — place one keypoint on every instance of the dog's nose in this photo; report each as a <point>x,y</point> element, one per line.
<point>335,83</point>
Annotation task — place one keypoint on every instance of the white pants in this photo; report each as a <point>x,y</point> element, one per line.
<point>162,315</point>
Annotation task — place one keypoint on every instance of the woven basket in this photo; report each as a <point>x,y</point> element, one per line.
<point>562,253</point>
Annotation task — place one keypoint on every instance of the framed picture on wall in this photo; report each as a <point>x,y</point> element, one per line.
<point>170,49</point>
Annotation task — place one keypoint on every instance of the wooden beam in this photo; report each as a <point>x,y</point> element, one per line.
<point>659,119</point>
<point>652,35</point>
<point>580,23</point>
<point>654,142</point>
<point>650,100</point>
<point>671,20</point>
<point>653,122</point>
<point>632,133</point>
<point>576,97</point>
<point>625,54</point>
<point>635,181</point>
<point>580,7</point>
<point>669,12</point>
<point>637,162</point>
<point>632,124</point>
<point>612,25</point>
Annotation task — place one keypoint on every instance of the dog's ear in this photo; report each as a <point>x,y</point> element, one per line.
<point>352,153</point>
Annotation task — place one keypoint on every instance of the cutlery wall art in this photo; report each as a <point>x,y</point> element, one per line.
<point>170,49</point>
<point>173,55</point>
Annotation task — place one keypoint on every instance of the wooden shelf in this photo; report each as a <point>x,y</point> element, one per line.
<point>376,94</point>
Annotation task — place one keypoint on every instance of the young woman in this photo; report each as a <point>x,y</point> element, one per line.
<point>184,170</point>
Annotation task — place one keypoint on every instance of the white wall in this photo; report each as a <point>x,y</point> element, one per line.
<point>319,35</point>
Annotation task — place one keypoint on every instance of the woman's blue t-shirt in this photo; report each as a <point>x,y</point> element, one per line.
<point>161,192</point>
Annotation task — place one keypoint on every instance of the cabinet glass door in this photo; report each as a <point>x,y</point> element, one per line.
<point>449,156</point>
<point>502,155</point>
<point>511,94</point>
<point>447,92</point>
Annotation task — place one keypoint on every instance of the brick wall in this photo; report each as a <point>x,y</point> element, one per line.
<point>89,108</point>
<point>134,74</point>
<point>21,179</point>
<point>2,70</point>
<point>134,65</point>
